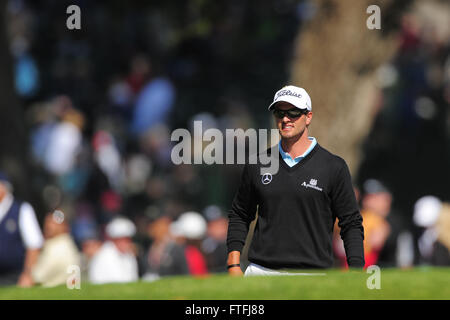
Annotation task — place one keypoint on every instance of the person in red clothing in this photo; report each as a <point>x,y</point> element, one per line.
<point>196,261</point>
<point>189,230</point>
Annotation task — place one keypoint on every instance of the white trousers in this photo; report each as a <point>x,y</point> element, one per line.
<point>256,270</point>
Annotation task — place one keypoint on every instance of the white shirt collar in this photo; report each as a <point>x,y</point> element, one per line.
<point>286,155</point>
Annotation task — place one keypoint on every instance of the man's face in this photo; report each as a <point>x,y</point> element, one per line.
<point>159,228</point>
<point>90,247</point>
<point>218,229</point>
<point>291,128</point>
<point>379,203</point>
<point>124,244</point>
<point>52,228</point>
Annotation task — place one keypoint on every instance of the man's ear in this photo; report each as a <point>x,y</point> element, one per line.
<point>309,116</point>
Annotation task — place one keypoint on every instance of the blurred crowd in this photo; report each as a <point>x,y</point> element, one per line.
<point>192,244</point>
<point>388,241</point>
<point>101,105</point>
<point>407,151</point>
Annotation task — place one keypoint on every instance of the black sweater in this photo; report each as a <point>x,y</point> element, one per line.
<point>297,210</point>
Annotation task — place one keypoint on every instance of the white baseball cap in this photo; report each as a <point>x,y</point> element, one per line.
<point>120,228</point>
<point>296,96</point>
<point>190,224</point>
<point>426,211</point>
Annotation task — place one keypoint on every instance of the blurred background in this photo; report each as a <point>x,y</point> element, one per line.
<point>87,115</point>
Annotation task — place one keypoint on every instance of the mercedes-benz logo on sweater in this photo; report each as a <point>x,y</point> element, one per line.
<point>266,178</point>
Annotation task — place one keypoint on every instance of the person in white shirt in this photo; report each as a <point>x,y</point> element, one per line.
<point>20,238</point>
<point>116,259</point>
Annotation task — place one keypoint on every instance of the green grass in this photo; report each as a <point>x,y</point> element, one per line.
<point>418,283</point>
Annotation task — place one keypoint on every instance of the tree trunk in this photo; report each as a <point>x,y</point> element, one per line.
<point>335,60</point>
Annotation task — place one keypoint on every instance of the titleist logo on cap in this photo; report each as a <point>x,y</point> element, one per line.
<point>288,92</point>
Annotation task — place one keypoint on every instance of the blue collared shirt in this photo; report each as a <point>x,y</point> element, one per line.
<point>292,162</point>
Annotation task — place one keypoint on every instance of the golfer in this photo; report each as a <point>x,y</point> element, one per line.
<point>297,207</point>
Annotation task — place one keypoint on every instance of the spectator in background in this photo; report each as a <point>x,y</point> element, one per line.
<point>140,71</point>
<point>189,230</point>
<point>65,140</point>
<point>376,206</point>
<point>387,239</point>
<point>164,257</point>
<point>426,214</point>
<point>90,246</point>
<point>85,232</point>
<point>214,247</point>
<point>107,157</point>
<point>154,102</point>
<point>116,260</point>
<point>58,253</point>
<point>20,238</point>
<point>433,217</point>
